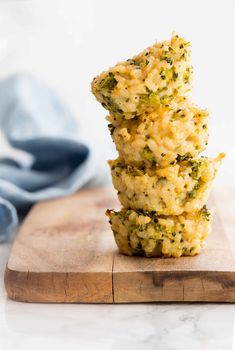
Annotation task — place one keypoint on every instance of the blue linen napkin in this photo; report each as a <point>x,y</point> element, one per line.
<point>33,119</point>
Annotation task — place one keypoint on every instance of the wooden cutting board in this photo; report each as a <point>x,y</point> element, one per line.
<point>65,253</point>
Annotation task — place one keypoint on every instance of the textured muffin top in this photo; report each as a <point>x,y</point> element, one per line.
<point>140,84</point>
<point>161,136</point>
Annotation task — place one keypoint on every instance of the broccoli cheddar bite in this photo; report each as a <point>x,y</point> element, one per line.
<point>169,133</point>
<point>148,234</point>
<point>161,180</point>
<point>178,188</point>
<point>142,83</point>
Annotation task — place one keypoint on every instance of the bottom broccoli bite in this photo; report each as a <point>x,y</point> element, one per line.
<point>144,233</point>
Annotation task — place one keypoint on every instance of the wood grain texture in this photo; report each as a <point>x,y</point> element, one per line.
<point>65,252</point>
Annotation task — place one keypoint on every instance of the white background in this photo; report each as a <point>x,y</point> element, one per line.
<point>67,42</point>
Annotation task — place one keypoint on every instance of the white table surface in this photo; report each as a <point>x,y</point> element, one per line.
<point>167,326</point>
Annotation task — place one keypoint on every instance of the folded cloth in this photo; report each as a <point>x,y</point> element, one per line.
<point>33,119</point>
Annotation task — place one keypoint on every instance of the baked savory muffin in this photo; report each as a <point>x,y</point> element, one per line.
<point>181,187</point>
<point>141,83</point>
<point>162,181</point>
<point>170,132</point>
<point>148,234</point>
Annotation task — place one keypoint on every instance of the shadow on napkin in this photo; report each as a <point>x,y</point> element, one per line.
<point>33,119</point>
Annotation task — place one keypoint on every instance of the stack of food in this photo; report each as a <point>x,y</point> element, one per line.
<point>162,182</point>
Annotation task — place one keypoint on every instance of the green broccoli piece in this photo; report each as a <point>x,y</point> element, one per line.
<point>109,82</point>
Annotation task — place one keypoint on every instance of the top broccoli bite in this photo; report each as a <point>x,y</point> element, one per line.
<point>142,83</point>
